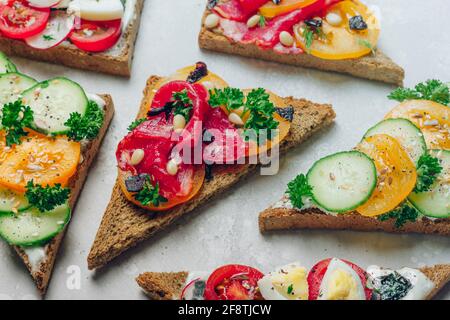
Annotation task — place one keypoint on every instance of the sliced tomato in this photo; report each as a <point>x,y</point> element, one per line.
<point>397,174</point>
<point>19,21</point>
<point>432,118</point>
<point>234,10</point>
<point>270,9</point>
<point>317,273</point>
<point>251,6</point>
<point>233,282</point>
<point>96,36</point>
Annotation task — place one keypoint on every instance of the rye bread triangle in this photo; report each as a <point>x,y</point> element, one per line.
<point>41,274</point>
<point>169,285</point>
<point>124,225</point>
<point>375,66</point>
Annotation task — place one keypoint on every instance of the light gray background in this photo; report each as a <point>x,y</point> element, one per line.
<point>415,34</point>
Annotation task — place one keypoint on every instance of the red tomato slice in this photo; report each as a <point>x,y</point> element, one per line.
<point>20,21</point>
<point>317,273</point>
<point>233,282</point>
<point>251,6</point>
<point>96,36</point>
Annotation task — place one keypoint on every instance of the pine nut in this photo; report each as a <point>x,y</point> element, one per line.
<point>137,157</point>
<point>334,19</point>
<point>179,122</point>
<point>172,167</point>
<point>286,39</point>
<point>235,119</point>
<point>253,21</point>
<point>212,21</point>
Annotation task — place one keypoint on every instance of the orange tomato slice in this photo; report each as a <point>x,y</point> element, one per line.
<point>432,118</point>
<point>197,183</point>
<point>397,174</point>
<point>270,9</point>
<point>340,42</point>
<point>45,160</point>
<point>4,151</point>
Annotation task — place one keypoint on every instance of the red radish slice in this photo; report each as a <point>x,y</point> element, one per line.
<point>59,26</point>
<point>43,3</point>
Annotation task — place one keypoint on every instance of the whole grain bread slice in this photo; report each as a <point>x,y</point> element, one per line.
<point>124,225</point>
<point>42,274</point>
<point>169,285</point>
<point>376,66</point>
<point>289,219</point>
<point>116,61</point>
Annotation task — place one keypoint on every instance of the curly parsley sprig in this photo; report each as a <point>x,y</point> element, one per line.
<point>297,189</point>
<point>401,215</point>
<point>46,198</point>
<point>14,118</point>
<point>231,98</point>
<point>428,169</point>
<point>136,123</point>
<point>87,126</point>
<point>150,194</point>
<point>434,90</point>
<point>182,104</point>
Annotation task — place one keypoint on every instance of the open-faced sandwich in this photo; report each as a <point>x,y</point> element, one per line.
<point>96,35</point>
<point>332,35</point>
<point>329,279</point>
<point>50,132</point>
<point>194,138</point>
<point>397,179</point>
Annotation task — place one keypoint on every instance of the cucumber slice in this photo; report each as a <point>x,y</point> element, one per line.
<point>12,85</point>
<point>53,101</point>
<point>10,199</point>
<point>343,181</point>
<point>6,65</point>
<point>31,227</point>
<point>409,136</point>
<point>436,202</point>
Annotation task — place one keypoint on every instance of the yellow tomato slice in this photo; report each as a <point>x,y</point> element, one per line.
<point>397,174</point>
<point>270,9</point>
<point>340,42</point>
<point>430,117</point>
<point>4,151</point>
<point>43,159</point>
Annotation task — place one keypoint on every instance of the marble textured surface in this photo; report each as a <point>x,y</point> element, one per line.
<point>226,231</point>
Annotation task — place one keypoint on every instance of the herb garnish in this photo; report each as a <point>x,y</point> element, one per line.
<point>297,189</point>
<point>367,44</point>
<point>428,168</point>
<point>136,123</point>
<point>182,104</point>
<point>401,215</point>
<point>310,33</point>
<point>87,126</point>
<point>290,289</point>
<point>150,194</point>
<point>434,90</point>
<point>262,21</point>
<point>393,287</point>
<point>48,37</point>
<point>230,98</point>
<point>48,198</point>
<point>14,118</point>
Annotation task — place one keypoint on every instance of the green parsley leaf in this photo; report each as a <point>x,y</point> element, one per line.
<point>182,104</point>
<point>367,44</point>
<point>311,33</point>
<point>401,215</point>
<point>262,21</point>
<point>136,123</point>
<point>14,118</point>
<point>261,112</point>
<point>231,98</point>
<point>48,198</point>
<point>87,126</point>
<point>428,168</point>
<point>433,90</point>
<point>150,194</point>
<point>290,289</point>
<point>297,189</point>
<point>47,37</point>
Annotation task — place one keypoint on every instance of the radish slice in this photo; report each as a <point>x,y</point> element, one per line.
<point>58,29</point>
<point>63,4</point>
<point>43,3</point>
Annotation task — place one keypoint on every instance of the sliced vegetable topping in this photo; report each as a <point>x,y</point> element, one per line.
<point>11,201</point>
<point>272,9</point>
<point>12,85</point>
<point>6,65</point>
<point>96,36</point>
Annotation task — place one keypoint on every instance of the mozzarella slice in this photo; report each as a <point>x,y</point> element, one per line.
<point>97,10</point>
<point>341,282</point>
<point>58,29</point>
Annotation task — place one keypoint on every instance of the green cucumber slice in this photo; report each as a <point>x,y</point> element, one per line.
<point>409,136</point>
<point>435,203</point>
<point>343,181</point>
<point>10,199</point>
<point>31,227</point>
<point>6,65</point>
<point>53,101</point>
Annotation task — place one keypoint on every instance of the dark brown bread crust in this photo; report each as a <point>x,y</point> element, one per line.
<point>439,274</point>
<point>73,57</point>
<point>124,225</point>
<point>42,276</point>
<point>376,66</point>
<point>289,219</point>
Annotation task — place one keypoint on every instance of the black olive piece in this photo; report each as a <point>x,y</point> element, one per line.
<point>167,109</point>
<point>209,172</point>
<point>315,23</point>
<point>211,4</point>
<point>357,23</point>
<point>136,183</point>
<point>276,1</point>
<point>201,71</point>
<point>286,113</point>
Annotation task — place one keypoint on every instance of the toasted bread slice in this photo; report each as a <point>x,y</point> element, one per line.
<point>124,225</point>
<point>116,61</point>
<point>42,272</point>
<point>169,285</point>
<point>376,66</point>
<point>288,219</point>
